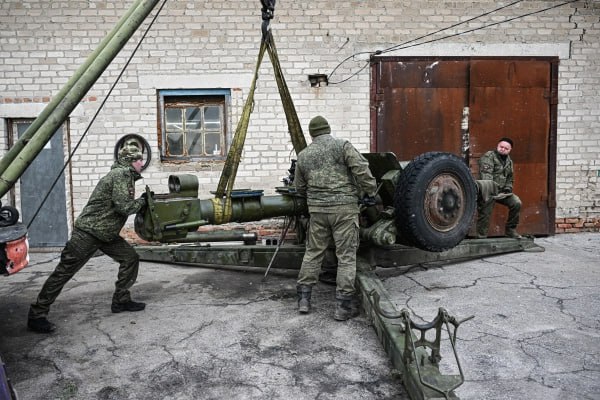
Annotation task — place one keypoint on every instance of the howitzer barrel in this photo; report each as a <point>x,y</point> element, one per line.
<point>16,161</point>
<point>171,217</point>
<point>251,208</point>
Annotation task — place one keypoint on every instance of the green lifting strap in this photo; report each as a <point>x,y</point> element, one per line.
<point>234,156</point>
<point>294,127</point>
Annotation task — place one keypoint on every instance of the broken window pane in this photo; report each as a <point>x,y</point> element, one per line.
<point>175,144</point>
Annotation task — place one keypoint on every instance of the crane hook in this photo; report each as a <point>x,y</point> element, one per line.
<point>268,8</point>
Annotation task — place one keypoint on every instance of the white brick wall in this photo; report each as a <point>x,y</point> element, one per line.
<point>578,180</point>
<point>43,42</point>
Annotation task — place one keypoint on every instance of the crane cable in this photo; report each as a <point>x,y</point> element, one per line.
<point>222,200</point>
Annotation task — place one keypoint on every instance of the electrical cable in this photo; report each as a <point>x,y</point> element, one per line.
<point>449,27</point>
<point>403,45</point>
<point>97,112</point>
<point>488,25</point>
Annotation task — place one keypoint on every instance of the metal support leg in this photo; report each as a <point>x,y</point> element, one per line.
<point>408,353</point>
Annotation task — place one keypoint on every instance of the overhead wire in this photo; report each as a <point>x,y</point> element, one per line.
<point>121,73</point>
<point>485,14</point>
<point>405,45</point>
<point>491,24</point>
<point>418,38</point>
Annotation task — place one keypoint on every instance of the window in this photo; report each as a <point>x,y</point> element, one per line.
<point>193,124</point>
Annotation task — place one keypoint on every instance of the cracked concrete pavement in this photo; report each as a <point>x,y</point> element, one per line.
<point>536,332</point>
<point>213,334</point>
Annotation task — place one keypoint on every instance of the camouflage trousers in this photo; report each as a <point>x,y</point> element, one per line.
<point>484,212</point>
<point>77,252</point>
<point>343,229</point>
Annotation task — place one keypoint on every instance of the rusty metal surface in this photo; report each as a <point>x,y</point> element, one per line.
<point>418,105</point>
<point>512,98</point>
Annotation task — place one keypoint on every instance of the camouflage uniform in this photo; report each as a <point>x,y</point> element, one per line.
<point>97,228</point>
<point>493,167</point>
<point>332,175</point>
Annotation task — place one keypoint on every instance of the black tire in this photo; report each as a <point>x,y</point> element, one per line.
<point>146,151</point>
<point>8,216</point>
<point>435,202</point>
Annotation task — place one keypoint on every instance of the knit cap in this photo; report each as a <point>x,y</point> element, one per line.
<point>318,126</point>
<point>507,140</point>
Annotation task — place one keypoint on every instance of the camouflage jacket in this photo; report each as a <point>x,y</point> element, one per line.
<point>333,175</point>
<point>111,202</point>
<point>491,167</point>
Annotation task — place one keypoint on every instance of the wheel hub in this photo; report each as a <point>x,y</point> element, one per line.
<point>444,202</point>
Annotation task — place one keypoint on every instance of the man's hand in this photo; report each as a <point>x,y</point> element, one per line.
<point>144,196</point>
<point>368,201</point>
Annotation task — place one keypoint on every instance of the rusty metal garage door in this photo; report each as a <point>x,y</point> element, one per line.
<point>463,105</point>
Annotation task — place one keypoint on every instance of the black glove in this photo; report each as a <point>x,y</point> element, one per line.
<point>144,196</point>
<point>368,201</point>
<point>506,190</point>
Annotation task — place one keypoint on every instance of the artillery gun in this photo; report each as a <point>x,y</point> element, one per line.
<point>423,213</point>
<point>429,204</point>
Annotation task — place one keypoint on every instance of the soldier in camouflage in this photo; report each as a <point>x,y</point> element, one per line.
<point>333,176</point>
<point>497,166</point>
<point>97,228</point>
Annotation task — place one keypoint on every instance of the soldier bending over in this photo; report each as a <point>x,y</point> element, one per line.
<point>97,228</point>
<point>332,174</point>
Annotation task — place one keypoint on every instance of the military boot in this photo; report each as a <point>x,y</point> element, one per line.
<point>304,292</point>
<point>347,307</point>
<point>128,306</point>
<point>512,233</point>
<point>40,325</point>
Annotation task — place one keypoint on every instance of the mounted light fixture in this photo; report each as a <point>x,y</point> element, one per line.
<point>318,80</point>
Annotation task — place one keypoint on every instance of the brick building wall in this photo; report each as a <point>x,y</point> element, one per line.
<point>207,44</point>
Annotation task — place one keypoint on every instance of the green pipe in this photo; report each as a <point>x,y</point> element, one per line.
<point>74,96</point>
<point>185,225</point>
<point>12,153</point>
<point>219,236</point>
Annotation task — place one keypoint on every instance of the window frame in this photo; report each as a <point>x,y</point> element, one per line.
<point>221,97</point>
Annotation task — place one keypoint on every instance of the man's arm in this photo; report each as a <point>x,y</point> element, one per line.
<point>359,166</point>
<point>508,186</point>
<point>124,201</point>
<point>486,167</point>
<point>300,181</point>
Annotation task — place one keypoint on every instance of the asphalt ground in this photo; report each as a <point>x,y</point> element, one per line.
<point>214,334</point>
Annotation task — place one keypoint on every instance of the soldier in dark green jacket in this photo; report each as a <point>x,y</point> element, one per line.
<point>496,165</point>
<point>97,228</point>
<point>333,176</point>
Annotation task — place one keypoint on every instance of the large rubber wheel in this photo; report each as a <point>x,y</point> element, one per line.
<point>435,201</point>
